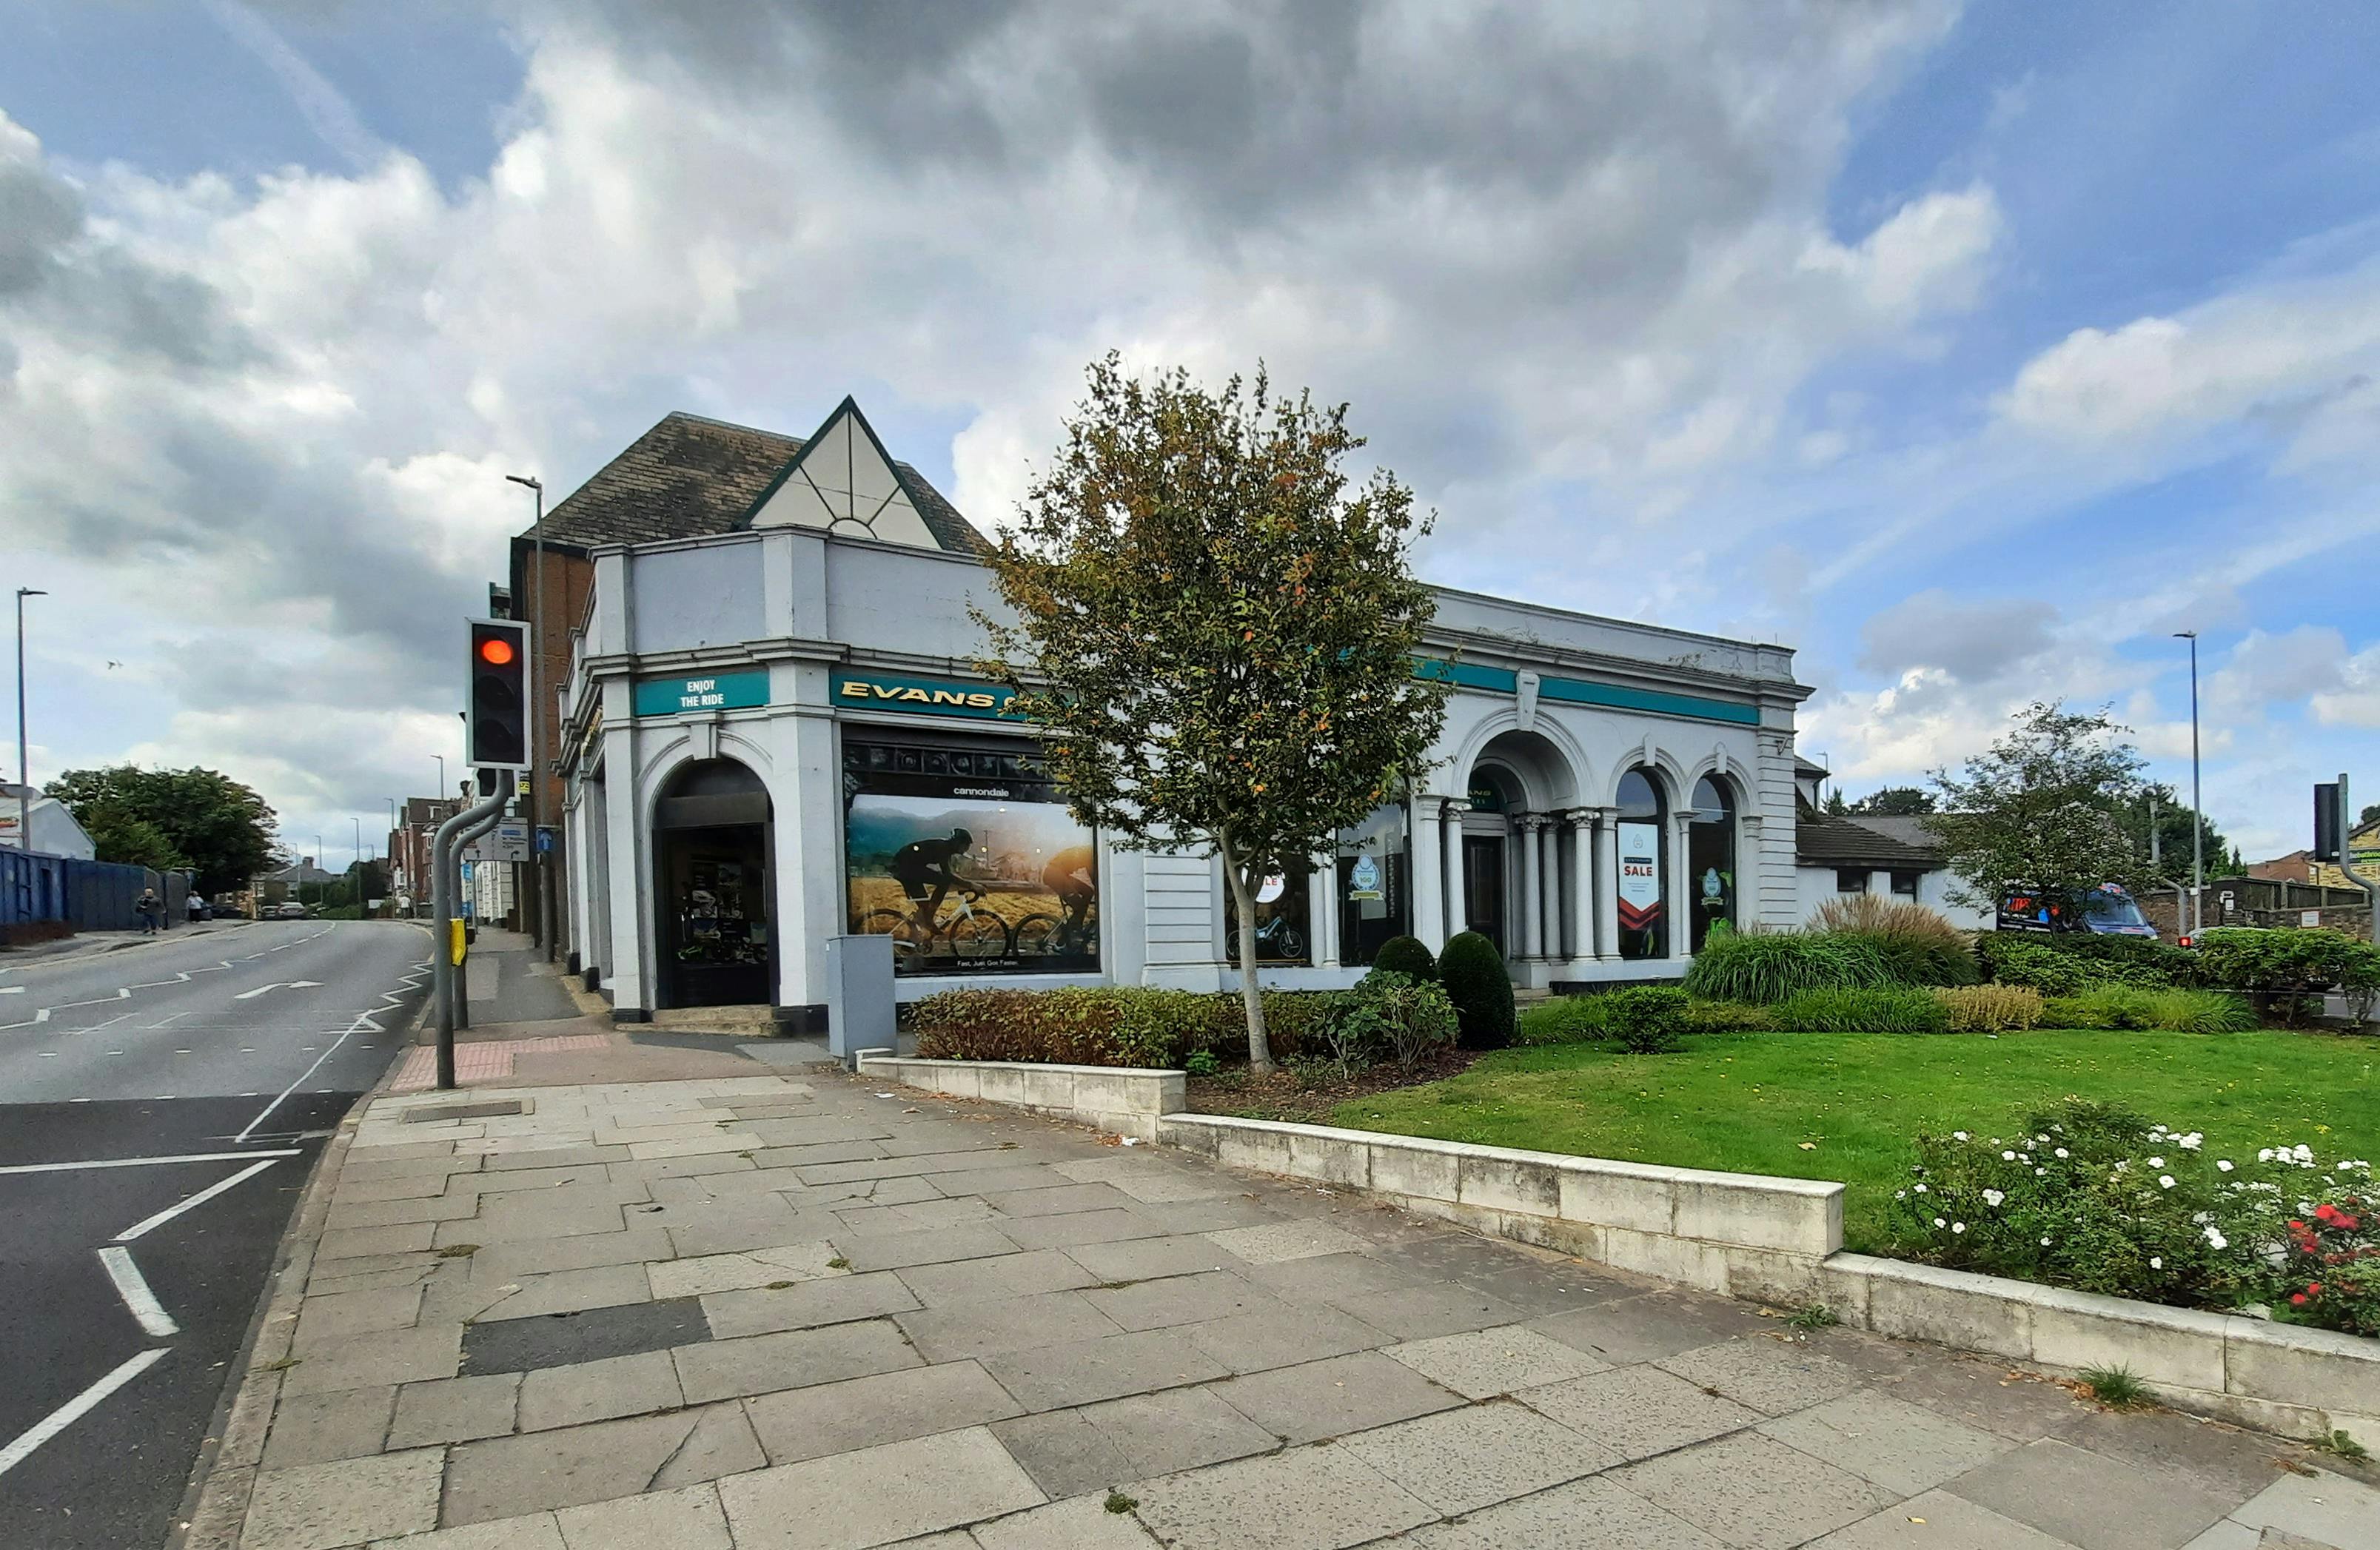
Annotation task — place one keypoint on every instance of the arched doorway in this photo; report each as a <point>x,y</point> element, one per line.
<point>1710,859</point>
<point>1644,847</point>
<point>710,856</point>
<point>1494,796</point>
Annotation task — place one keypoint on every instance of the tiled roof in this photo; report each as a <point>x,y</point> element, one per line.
<point>689,477</point>
<point>1910,830</point>
<point>1823,840</point>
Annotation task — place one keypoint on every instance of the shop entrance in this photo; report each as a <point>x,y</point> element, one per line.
<point>1483,886</point>
<point>711,833</point>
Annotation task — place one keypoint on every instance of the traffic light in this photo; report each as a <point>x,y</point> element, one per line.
<point>2328,820</point>
<point>496,730</point>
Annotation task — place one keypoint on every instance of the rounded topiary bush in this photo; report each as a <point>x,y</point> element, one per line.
<point>1473,972</point>
<point>1406,955</point>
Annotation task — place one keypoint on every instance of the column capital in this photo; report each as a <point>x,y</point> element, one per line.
<point>1532,822</point>
<point>1586,817</point>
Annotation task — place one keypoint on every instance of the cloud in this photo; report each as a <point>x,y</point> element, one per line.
<point>1971,641</point>
<point>325,107</point>
<point>2264,671</point>
<point>2354,701</point>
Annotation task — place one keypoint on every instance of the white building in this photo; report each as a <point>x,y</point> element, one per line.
<point>773,734</point>
<point>55,832</point>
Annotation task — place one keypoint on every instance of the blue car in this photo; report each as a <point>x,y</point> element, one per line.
<point>2110,911</point>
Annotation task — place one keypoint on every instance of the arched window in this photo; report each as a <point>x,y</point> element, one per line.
<point>1710,859</point>
<point>1644,866</point>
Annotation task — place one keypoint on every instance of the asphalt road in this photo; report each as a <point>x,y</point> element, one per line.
<point>207,1060</point>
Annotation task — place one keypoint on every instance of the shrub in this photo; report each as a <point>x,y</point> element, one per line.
<point>1897,1009</point>
<point>1406,955</point>
<point>1646,1019</point>
<point>2133,960</point>
<point>2011,958</point>
<point>2074,962</point>
<point>1474,974</point>
<point>1391,1016</point>
<point>1728,1017</point>
<point>2132,1006</point>
<point>1918,946</point>
<point>2279,967</point>
<point>1762,967</point>
<point>1990,1009</point>
<point>1091,1026</point>
<point>1563,1020</point>
<point>2094,1197</point>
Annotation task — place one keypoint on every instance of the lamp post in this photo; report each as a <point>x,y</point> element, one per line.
<point>442,793</point>
<point>2197,816</point>
<point>24,771</point>
<point>539,872</point>
<point>357,870</point>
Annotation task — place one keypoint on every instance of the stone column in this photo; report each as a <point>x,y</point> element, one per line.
<point>1451,822</point>
<point>1582,897</point>
<point>1680,906</point>
<point>1550,838</point>
<point>1527,827</point>
<point>1425,868</point>
<point>1607,897</point>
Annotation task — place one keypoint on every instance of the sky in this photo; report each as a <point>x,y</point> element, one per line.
<point>1971,352</point>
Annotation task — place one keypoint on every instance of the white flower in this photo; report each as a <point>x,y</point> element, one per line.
<point>2166,1180</point>
<point>2264,1154</point>
<point>2041,1173</point>
<point>2192,1142</point>
<point>2303,1152</point>
<point>1992,1197</point>
<point>2007,1156</point>
<point>1958,1135</point>
<point>1939,1223</point>
<point>2214,1238</point>
<point>1920,1189</point>
<point>2156,1262</point>
<point>2223,1165</point>
<point>1901,1195</point>
<point>2045,1242</point>
<point>2062,1152</point>
<point>1958,1226</point>
<point>2156,1162</point>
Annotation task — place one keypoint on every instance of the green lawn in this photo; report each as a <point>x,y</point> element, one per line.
<point>1747,1103</point>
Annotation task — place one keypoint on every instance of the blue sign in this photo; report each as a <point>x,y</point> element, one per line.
<point>741,690</point>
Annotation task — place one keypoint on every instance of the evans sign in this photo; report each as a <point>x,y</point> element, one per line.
<point>922,697</point>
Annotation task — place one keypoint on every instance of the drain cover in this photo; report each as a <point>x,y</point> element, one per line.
<point>466,1110</point>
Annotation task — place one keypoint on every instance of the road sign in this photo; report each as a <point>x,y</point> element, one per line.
<point>544,840</point>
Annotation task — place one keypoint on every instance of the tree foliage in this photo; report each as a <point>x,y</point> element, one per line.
<point>2042,806</point>
<point>206,819</point>
<point>119,834</point>
<point>1215,627</point>
<point>1898,802</point>
<point>2172,830</point>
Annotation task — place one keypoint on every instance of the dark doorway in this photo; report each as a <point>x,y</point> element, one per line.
<point>1483,886</point>
<point>710,841</point>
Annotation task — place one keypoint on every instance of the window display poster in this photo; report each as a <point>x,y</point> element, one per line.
<point>1639,876</point>
<point>973,886</point>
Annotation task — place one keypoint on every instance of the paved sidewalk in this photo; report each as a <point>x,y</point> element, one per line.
<point>772,1313</point>
<point>91,944</point>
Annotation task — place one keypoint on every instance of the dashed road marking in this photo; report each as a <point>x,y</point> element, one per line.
<point>75,1408</point>
<point>133,1288</point>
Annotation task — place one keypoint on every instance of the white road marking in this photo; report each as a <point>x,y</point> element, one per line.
<point>278,984</point>
<point>390,1002</point>
<point>163,1021</point>
<point>94,1001</point>
<point>11,989</point>
<point>135,1291</point>
<point>167,1215</point>
<point>146,1162</point>
<point>74,1410</point>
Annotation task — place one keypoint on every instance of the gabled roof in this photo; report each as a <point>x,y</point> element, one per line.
<point>1914,829</point>
<point>689,477</point>
<point>1824,840</point>
<point>844,482</point>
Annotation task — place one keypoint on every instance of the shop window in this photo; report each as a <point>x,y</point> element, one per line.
<point>1850,880</point>
<point>970,868</point>
<point>1905,883</point>
<point>1375,872</point>
<point>1644,847</point>
<point>1710,859</point>
<point>1283,915</point>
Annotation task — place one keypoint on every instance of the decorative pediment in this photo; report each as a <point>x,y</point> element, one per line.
<point>844,482</point>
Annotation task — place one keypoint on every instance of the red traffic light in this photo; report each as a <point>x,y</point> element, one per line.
<point>496,650</point>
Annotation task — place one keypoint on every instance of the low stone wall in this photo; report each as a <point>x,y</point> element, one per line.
<point>1773,1240</point>
<point>1124,1101</point>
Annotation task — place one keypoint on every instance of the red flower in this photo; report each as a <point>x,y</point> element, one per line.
<point>2313,1289</point>
<point>2298,1299</point>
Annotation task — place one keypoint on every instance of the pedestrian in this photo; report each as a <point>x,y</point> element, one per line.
<point>197,906</point>
<point>153,909</point>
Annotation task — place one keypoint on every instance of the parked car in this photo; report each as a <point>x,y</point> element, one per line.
<point>290,911</point>
<point>2110,911</point>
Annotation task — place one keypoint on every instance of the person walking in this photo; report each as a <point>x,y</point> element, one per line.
<point>152,909</point>
<point>197,903</point>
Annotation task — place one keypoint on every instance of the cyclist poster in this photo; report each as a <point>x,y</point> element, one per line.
<point>971,885</point>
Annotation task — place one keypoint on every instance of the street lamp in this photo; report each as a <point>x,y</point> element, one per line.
<point>539,873</point>
<point>24,773</point>
<point>442,793</point>
<point>2197,817</point>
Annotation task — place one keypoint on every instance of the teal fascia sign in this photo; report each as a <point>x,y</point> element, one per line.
<point>1579,691</point>
<point>692,694</point>
<point>921,696</point>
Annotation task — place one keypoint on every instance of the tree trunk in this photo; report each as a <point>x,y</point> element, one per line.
<point>1243,899</point>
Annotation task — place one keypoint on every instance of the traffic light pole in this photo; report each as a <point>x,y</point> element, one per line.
<point>2371,885</point>
<point>445,883</point>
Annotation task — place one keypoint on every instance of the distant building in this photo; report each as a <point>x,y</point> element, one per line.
<point>55,832</point>
<point>280,887</point>
<point>409,846</point>
<point>1837,854</point>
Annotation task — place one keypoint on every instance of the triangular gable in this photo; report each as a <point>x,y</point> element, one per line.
<point>844,482</point>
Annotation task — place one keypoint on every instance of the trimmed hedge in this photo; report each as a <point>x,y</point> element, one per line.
<point>1110,1024</point>
<point>1899,1009</point>
<point>1474,974</point>
<point>1406,955</point>
<point>1646,1019</point>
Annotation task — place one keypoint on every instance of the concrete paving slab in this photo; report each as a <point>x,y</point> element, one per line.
<point>317,1507</point>
<point>1459,1460</point>
<point>1096,1446</point>
<point>898,1251</point>
<point>2080,1497</point>
<point>1275,1241</point>
<point>877,1496</point>
<point>1085,1371</point>
<point>337,1315</point>
<point>1320,1498</point>
<point>807,1304</point>
<point>1176,1300</point>
<point>1753,1491</point>
<point>1007,1276</point>
<point>722,1443</point>
<point>1990,1395</point>
<point>1937,1520</point>
<point>1772,1376</point>
<point>790,1358</point>
<point>1646,1327</point>
<point>997,1326</point>
<point>881,1220</point>
<point>2328,1509</point>
<point>586,1391</point>
<point>506,1477</point>
<point>537,1530</point>
<point>1334,1278</point>
<point>1905,1449</point>
<point>317,1428</point>
<point>1592,1514</point>
<point>1638,1412</point>
<point>1333,1397</point>
<point>1483,1362</point>
<point>382,1357</point>
<point>790,1261</point>
<point>569,1292</point>
<point>1060,1200</point>
<point>1142,1259</point>
<point>1072,1228</point>
<point>1433,1308</point>
<point>1255,1341</point>
<point>687,1519</point>
<point>526,1344</point>
<point>1082,1523</point>
<point>828,1418</point>
<point>455,1410</point>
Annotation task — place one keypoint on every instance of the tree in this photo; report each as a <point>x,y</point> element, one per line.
<point>119,834</point>
<point>2172,848</point>
<point>1895,802</point>
<point>2043,807</point>
<point>1215,629</point>
<point>1836,804</point>
<point>208,821</point>
<point>2369,814</point>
